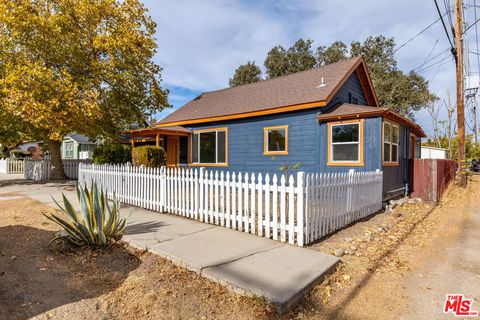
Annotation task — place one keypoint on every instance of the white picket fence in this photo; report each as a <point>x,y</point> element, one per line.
<point>336,200</point>
<point>41,170</point>
<point>11,166</point>
<point>265,205</point>
<point>3,165</point>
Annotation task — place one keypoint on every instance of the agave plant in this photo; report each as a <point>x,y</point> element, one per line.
<point>96,225</point>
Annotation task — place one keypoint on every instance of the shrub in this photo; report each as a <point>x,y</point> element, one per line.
<point>149,156</point>
<point>112,153</point>
<point>98,225</point>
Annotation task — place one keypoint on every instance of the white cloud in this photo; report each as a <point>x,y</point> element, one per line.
<point>202,42</point>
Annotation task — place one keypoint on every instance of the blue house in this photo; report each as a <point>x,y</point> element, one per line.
<point>326,119</point>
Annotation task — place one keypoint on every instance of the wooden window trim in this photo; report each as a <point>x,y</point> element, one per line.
<point>198,164</point>
<point>390,163</point>
<point>360,162</point>
<point>265,141</point>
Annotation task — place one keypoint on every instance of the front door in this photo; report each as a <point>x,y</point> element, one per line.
<point>173,151</point>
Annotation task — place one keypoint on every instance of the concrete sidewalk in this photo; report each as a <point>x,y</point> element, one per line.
<point>246,263</point>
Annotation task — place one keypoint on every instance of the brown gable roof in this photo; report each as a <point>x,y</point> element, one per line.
<point>345,111</point>
<point>291,92</point>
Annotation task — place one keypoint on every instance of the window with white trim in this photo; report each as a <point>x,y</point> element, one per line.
<point>210,146</point>
<point>345,142</point>
<point>68,154</point>
<point>390,142</point>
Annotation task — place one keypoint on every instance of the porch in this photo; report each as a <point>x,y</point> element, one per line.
<point>174,140</point>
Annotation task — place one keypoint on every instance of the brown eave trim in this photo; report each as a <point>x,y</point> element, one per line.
<point>295,107</point>
<point>142,132</point>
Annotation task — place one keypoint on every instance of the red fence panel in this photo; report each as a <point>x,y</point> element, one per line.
<point>431,178</point>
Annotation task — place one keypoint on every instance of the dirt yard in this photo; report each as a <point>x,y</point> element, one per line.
<point>398,266</point>
<point>56,283</point>
<point>385,261</point>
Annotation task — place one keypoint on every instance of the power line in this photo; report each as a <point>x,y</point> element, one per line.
<point>474,24</point>
<point>431,59</point>
<point>476,33</point>
<point>449,15</point>
<point>430,53</point>
<point>422,31</point>
<point>445,28</point>
<point>445,60</point>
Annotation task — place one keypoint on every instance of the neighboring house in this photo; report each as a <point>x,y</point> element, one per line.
<point>77,146</point>
<point>327,119</point>
<point>433,153</point>
<point>29,149</point>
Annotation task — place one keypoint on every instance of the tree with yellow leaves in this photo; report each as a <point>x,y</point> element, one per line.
<point>82,66</point>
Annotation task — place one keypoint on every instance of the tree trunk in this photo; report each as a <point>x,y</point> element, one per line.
<point>57,165</point>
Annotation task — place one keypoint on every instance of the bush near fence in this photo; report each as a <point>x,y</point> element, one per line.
<point>110,153</point>
<point>299,210</point>
<point>149,156</point>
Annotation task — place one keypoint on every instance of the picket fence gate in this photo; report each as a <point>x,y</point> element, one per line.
<point>41,170</point>
<point>335,200</point>
<point>296,209</point>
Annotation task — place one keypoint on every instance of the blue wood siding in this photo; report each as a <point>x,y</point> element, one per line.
<point>307,139</point>
<point>245,142</point>
<point>351,87</point>
<point>308,142</point>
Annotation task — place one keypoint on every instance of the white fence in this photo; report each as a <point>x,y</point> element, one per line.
<point>338,199</point>
<point>299,210</point>
<point>3,165</point>
<point>10,166</point>
<point>41,170</point>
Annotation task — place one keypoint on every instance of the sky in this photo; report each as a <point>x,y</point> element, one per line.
<point>201,43</point>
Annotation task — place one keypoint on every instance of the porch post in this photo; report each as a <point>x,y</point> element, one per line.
<point>157,140</point>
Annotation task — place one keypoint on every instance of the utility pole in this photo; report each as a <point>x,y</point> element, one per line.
<point>462,164</point>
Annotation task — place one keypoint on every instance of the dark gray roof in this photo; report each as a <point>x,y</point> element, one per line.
<point>80,138</point>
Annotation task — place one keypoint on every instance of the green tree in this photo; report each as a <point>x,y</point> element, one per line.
<point>77,66</point>
<point>401,92</point>
<point>12,132</point>
<point>472,148</point>
<point>299,57</point>
<point>336,52</point>
<point>276,62</point>
<point>246,73</point>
